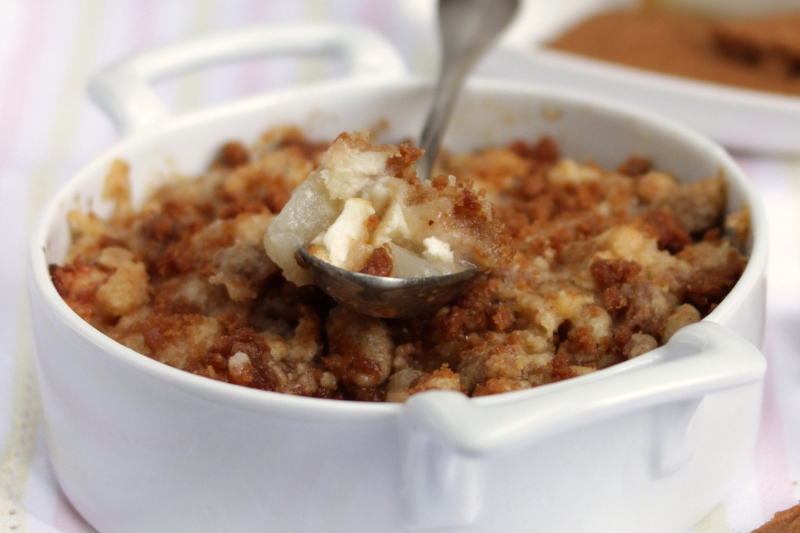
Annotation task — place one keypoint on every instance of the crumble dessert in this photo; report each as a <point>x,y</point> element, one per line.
<point>608,264</point>
<point>787,521</point>
<point>771,43</point>
<point>761,53</point>
<point>365,210</point>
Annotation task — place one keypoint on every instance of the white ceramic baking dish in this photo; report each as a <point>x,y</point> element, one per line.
<point>649,445</point>
<point>743,119</point>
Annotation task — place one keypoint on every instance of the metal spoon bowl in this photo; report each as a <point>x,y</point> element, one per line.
<point>386,297</point>
<point>467,28</point>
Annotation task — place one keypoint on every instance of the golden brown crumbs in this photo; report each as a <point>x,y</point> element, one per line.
<point>606,266</point>
<point>379,263</point>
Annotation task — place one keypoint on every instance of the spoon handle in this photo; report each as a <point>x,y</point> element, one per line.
<point>467,28</point>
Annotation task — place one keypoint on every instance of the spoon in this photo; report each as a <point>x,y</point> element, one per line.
<point>467,28</point>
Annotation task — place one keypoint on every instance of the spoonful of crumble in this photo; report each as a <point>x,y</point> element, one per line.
<point>370,229</point>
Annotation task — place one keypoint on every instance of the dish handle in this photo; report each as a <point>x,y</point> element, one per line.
<point>124,90</point>
<point>446,435</point>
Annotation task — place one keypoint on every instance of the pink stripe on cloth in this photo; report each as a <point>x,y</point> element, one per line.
<point>145,23</point>
<point>250,76</point>
<point>771,456</point>
<point>377,15</point>
<point>13,106</point>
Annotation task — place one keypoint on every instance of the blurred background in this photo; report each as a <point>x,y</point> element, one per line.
<point>49,48</point>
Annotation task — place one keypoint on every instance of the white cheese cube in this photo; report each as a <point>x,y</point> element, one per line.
<point>347,231</point>
<point>437,251</point>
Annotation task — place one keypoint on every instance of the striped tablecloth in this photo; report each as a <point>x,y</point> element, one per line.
<point>48,130</point>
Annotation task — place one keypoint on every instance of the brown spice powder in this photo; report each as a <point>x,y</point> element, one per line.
<point>758,53</point>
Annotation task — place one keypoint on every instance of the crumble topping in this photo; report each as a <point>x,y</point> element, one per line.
<point>366,199</point>
<point>605,266</point>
